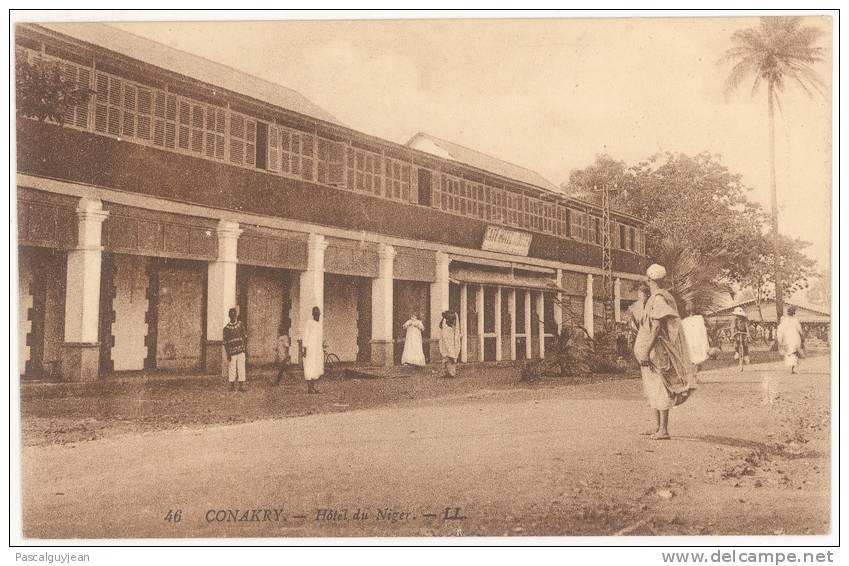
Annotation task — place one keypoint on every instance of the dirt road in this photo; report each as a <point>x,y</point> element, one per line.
<point>534,461</point>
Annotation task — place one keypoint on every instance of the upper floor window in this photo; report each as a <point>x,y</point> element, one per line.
<point>331,162</point>
<point>397,179</point>
<point>242,139</point>
<point>579,225</point>
<point>364,170</point>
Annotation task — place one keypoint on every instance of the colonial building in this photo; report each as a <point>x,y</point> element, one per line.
<point>184,188</point>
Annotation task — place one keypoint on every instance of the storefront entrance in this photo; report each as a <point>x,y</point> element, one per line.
<point>176,314</point>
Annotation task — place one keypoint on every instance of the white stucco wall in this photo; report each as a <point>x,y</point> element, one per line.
<point>24,304</point>
<point>265,311</point>
<point>340,317</point>
<point>130,306</point>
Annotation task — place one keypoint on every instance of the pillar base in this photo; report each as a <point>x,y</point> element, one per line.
<point>472,350</point>
<point>434,355</point>
<point>80,361</point>
<point>383,353</point>
<point>215,358</point>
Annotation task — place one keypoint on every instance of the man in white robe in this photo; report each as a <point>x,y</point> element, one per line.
<point>790,338</point>
<point>313,350</point>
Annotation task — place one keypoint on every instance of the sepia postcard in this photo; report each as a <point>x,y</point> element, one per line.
<point>446,275</point>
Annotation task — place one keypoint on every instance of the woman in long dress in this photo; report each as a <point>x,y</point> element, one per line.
<point>661,348</point>
<point>413,353</point>
<point>449,343</point>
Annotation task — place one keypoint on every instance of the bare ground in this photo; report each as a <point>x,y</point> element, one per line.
<point>548,458</point>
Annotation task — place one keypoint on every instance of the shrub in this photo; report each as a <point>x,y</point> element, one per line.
<point>576,354</point>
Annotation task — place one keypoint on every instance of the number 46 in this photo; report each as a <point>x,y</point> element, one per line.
<point>174,516</point>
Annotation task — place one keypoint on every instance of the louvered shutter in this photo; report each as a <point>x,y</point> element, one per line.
<point>250,139</point>
<point>274,148</point>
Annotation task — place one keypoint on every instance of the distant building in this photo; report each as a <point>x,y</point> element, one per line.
<point>184,188</point>
<point>815,320</point>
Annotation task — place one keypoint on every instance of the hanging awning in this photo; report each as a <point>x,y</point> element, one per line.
<point>503,279</point>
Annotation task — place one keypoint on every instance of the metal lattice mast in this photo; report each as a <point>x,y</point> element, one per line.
<point>606,254</point>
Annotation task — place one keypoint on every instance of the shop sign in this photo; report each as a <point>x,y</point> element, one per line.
<point>502,240</point>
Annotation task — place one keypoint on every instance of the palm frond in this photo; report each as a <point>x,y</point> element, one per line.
<point>779,50</point>
<point>739,73</point>
<point>694,281</point>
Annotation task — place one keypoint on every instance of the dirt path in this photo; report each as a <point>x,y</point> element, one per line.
<point>533,461</point>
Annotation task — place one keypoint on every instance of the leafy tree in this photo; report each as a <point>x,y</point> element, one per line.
<point>700,225</point>
<point>796,268</point>
<point>778,51</point>
<point>587,183</point>
<point>42,92</point>
<point>696,202</point>
<point>819,291</point>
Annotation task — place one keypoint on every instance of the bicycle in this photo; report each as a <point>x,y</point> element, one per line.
<point>331,362</point>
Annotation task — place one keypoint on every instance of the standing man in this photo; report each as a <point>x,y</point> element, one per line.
<point>661,348</point>
<point>235,342</point>
<point>791,339</point>
<point>313,353</point>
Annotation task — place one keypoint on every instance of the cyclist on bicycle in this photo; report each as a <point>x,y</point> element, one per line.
<point>742,336</point>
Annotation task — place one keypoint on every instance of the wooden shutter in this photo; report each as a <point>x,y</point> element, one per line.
<point>250,141</point>
<point>273,148</point>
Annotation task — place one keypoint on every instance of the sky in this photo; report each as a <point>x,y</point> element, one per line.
<point>548,94</point>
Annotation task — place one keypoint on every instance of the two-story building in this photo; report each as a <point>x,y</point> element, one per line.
<point>184,188</point>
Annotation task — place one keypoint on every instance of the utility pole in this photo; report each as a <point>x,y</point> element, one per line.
<point>606,255</point>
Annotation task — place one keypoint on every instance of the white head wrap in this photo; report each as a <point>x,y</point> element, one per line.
<point>656,272</point>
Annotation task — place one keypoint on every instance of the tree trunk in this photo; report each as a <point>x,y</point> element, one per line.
<point>779,283</point>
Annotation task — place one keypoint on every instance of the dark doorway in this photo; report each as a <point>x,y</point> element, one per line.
<point>424,187</point>
<point>261,145</point>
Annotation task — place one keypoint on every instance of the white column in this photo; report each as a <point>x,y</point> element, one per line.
<point>381,308</point>
<point>558,305</point>
<point>588,306</point>
<point>220,293</point>
<point>540,308</point>
<point>498,355</point>
<point>479,310</point>
<point>82,295</point>
<point>311,284</point>
<point>617,299</point>
<point>82,307</point>
<point>439,294</point>
<point>464,326</point>
<point>528,334</point>
<point>511,308</point>
<point>221,280</point>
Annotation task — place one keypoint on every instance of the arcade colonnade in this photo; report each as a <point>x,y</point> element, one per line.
<point>145,289</point>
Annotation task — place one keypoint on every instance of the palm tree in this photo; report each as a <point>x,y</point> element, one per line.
<point>778,51</point>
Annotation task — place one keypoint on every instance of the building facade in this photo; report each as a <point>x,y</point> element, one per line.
<point>184,188</point>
